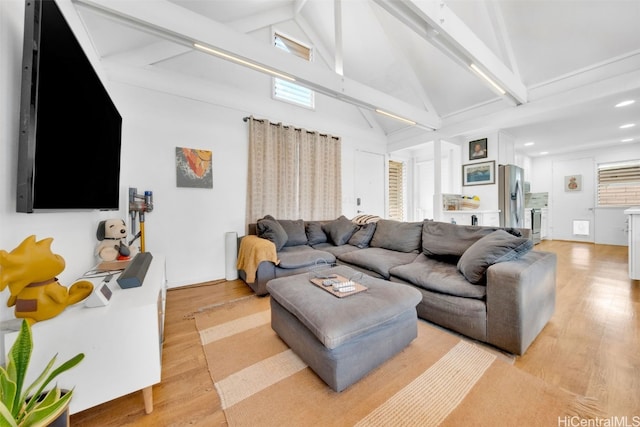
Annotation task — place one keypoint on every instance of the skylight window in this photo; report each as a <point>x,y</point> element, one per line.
<point>288,91</point>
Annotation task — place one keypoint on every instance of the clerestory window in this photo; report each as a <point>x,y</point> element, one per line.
<point>285,90</point>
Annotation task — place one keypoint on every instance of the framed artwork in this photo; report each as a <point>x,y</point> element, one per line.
<point>573,183</point>
<point>479,173</point>
<point>193,168</point>
<point>478,149</point>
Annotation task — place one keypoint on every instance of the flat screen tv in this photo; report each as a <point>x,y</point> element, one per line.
<point>70,129</point>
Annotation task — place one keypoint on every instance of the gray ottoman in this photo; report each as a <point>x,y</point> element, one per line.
<point>343,339</point>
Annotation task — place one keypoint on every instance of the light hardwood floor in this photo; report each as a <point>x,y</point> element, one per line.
<point>591,346</point>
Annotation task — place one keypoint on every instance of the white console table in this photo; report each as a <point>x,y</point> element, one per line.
<point>122,343</point>
<point>634,241</point>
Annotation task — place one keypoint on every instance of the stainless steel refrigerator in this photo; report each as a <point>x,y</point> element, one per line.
<point>511,196</point>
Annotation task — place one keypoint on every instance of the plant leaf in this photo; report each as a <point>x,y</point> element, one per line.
<point>7,389</point>
<point>49,408</point>
<point>27,395</point>
<point>6,418</point>
<point>60,369</point>
<point>18,362</point>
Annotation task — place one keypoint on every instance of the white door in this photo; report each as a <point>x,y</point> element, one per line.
<point>370,188</point>
<point>573,200</point>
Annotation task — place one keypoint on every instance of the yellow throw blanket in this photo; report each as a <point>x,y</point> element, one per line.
<point>254,250</point>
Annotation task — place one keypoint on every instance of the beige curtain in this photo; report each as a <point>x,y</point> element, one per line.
<point>293,173</point>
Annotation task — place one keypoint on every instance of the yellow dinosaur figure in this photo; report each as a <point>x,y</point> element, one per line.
<point>30,272</point>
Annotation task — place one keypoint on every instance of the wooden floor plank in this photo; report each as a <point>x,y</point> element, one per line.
<point>591,345</point>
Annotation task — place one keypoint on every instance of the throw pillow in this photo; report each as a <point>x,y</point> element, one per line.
<point>397,235</point>
<point>315,235</point>
<point>499,246</point>
<point>365,219</point>
<point>340,230</point>
<point>442,239</point>
<point>362,237</point>
<point>295,231</point>
<point>270,229</point>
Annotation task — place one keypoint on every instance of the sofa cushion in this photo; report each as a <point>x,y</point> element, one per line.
<point>397,235</point>
<point>270,229</point>
<point>340,230</point>
<point>315,233</point>
<point>363,236</point>
<point>436,276</point>
<point>335,250</point>
<point>303,256</point>
<point>499,246</point>
<point>296,234</point>
<point>378,260</point>
<point>442,239</point>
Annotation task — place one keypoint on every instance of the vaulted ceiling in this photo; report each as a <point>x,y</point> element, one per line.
<point>564,64</point>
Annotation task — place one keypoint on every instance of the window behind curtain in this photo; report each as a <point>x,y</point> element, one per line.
<point>619,183</point>
<point>396,190</point>
<point>293,173</point>
<point>288,91</point>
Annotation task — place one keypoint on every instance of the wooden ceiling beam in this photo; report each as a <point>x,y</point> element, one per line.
<point>182,26</point>
<point>436,23</point>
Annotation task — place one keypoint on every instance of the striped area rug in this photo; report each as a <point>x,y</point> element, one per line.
<point>438,379</point>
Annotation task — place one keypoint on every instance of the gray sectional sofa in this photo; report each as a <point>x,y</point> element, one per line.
<point>483,282</point>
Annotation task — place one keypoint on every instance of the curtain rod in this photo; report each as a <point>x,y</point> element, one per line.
<point>245,119</point>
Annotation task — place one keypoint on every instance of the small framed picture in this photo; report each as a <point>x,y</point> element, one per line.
<point>193,168</point>
<point>478,149</point>
<point>479,173</point>
<point>573,183</point>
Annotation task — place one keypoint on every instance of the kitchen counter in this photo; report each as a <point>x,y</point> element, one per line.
<point>633,225</point>
<point>484,216</point>
<point>476,211</point>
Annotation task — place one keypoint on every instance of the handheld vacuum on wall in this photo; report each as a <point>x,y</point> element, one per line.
<point>139,204</point>
<point>135,272</point>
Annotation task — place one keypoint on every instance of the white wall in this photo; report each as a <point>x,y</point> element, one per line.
<point>161,112</point>
<point>609,223</point>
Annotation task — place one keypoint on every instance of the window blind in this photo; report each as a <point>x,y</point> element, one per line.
<point>619,184</point>
<point>396,190</point>
<point>288,91</point>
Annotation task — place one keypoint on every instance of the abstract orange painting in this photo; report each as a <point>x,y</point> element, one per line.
<point>193,168</point>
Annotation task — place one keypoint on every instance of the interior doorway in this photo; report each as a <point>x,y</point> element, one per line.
<point>573,200</point>
<point>370,184</point>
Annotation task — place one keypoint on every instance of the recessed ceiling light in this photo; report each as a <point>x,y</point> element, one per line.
<point>625,103</point>
<point>542,153</point>
<point>529,144</point>
<point>626,140</point>
<point>628,125</point>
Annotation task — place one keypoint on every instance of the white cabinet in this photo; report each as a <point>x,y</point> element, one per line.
<point>634,242</point>
<point>544,223</point>
<point>122,343</point>
<point>487,218</point>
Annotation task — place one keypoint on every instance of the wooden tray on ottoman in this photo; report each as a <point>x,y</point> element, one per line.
<point>318,282</point>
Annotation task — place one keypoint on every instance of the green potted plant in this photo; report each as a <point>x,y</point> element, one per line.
<point>31,405</point>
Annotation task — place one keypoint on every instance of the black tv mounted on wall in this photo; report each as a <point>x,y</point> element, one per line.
<point>70,129</point>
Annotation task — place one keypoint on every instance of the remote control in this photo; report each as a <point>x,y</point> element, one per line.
<point>344,286</point>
